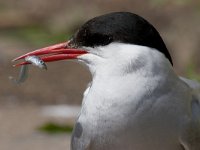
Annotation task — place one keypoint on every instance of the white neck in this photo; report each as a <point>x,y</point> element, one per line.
<point>131,84</point>
<point>123,68</point>
<point>117,59</point>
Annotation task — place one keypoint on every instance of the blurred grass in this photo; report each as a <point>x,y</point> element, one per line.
<point>192,73</point>
<point>36,35</point>
<point>53,128</point>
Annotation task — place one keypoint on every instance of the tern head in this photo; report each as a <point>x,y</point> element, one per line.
<point>114,38</point>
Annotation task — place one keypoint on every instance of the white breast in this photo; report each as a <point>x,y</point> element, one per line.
<point>135,101</point>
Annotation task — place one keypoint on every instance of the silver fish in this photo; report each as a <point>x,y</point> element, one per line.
<point>23,75</point>
<point>36,61</point>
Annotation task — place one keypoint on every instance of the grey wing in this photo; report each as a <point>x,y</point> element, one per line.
<point>190,137</point>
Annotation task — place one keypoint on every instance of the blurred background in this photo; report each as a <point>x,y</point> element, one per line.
<point>40,113</point>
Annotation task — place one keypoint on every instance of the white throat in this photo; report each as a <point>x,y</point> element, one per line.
<point>117,59</point>
<point>120,70</point>
<point>126,79</point>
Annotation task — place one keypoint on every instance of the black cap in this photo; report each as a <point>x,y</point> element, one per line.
<point>124,27</point>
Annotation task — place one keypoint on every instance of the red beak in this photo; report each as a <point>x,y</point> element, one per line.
<point>55,52</point>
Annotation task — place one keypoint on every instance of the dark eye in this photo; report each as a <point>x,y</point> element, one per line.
<point>87,38</point>
<point>98,40</point>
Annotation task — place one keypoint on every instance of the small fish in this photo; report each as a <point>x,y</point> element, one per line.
<point>23,75</point>
<point>35,60</point>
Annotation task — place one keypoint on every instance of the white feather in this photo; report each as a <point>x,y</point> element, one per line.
<point>135,102</point>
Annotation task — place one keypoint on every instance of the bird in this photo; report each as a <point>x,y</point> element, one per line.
<point>135,100</point>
